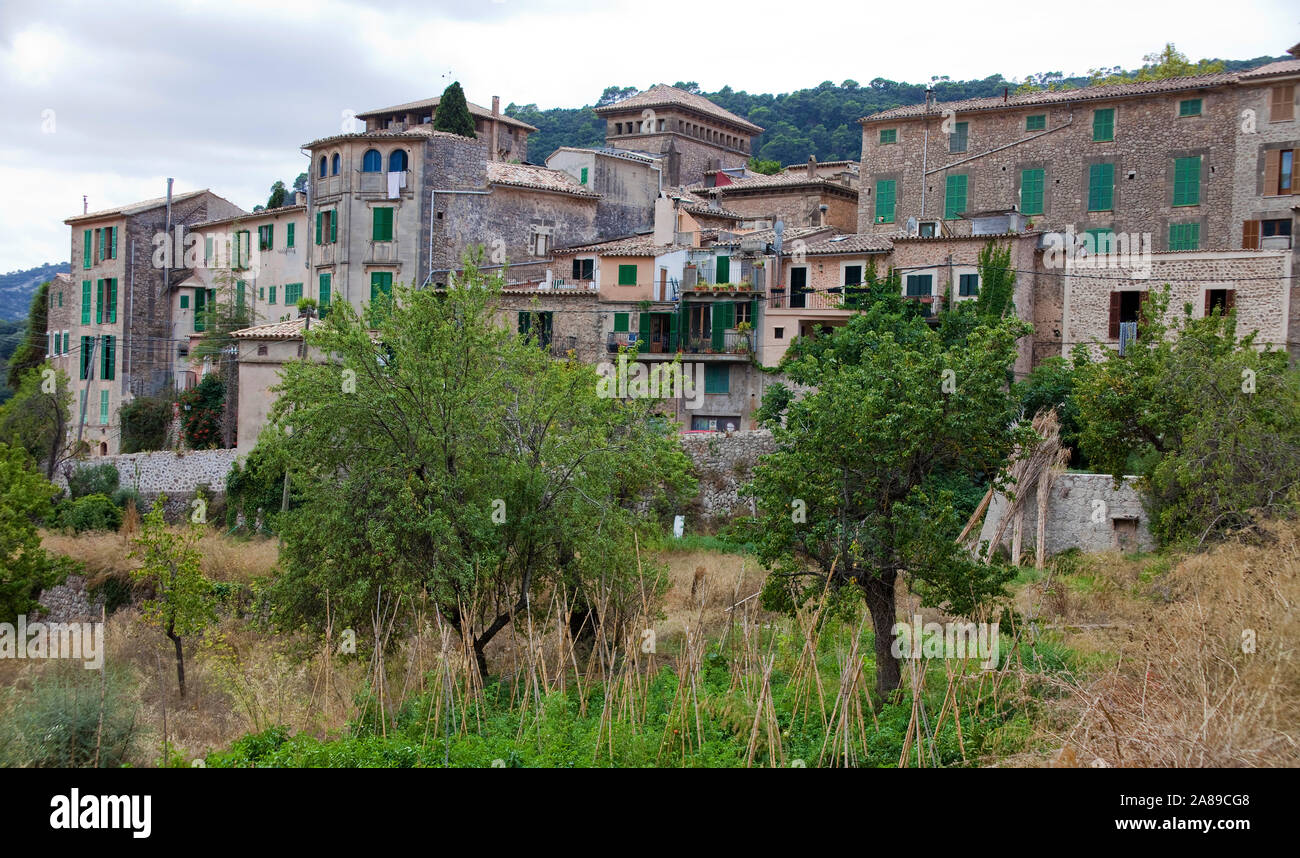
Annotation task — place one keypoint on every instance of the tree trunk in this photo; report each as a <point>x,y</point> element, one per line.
<point>879,591</point>
<point>180,658</point>
<point>480,644</point>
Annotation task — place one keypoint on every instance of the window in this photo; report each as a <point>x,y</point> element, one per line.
<point>957,140</point>
<point>103,407</point>
<point>888,135</point>
<point>799,287</point>
<point>1103,125</point>
<point>65,342</point>
<point>1280,173</point>
<point>537,326</point>
<point>920,285</point>
<point>382,224</point>
<point>584,269</point>
<point>60,297</point>
<point>108,358</point>
<point>87,357</point>
<point>397,161</point>
<point>110,300</point>
<point>265,234</point>
<point>243,249</point>
<point>372,162</point>
<point>1125,307</point>
<point>885,197</point>
<point>270,294</point>
<point>292,294</point>
<point>627,275</point>
<point>335,160</point>
<point>968,285</point>
<point>1282,103</point>
<point>745,312</point>
<point>538,243</point>
<point>288,234</point>
<point>1101,187</point>
<point>954,196</point>
<point>1036,122</point>
<point>322,166</point>
<point>1221,300</point>
<point>1184,236</point>
<point>584,175</point>
<point>327,227</point>
<point>717,378</point>
<point>185,302</point>
<point>778,333</point>
<point>1189,107</point>
<point>240,289</point>
<point>1187,181</point>
<point>323,293</point>
<point>1031,191</point>
<point>204,302</point>
<point>852,275</point>
<point>1099,241</point>
<point>722,269</point>
<point>85,249</point>
<point>381,282</point>
<point>85,302</point>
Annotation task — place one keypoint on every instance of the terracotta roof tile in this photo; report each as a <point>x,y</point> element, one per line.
<point>537,178</point>
<point>474,109</point>
<point>853,243</point>
<point>1278,68</point>
<point>662,95</point>
<point>136,208</point>
<point>289,330</point>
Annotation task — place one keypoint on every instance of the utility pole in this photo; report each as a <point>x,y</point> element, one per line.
<point>85,394</point>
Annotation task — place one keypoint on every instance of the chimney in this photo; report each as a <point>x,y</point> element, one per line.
<point>85,204</point>
<point>812,166</point>
<point>493,152</point>
<point>299,198</point>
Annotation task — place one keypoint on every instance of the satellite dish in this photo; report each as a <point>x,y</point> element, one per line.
<point>912,226</point>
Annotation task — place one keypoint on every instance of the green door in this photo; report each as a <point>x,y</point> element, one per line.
<point>724,269</point>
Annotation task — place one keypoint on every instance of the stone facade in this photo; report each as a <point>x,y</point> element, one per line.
<point>724,461</point>
<point>171,473</point>
<point>1084,511</point>
<point>628,185</point>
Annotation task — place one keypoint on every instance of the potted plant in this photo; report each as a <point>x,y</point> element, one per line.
<point>742,344</point>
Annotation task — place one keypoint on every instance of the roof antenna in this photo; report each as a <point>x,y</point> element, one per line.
<point>85,205</point>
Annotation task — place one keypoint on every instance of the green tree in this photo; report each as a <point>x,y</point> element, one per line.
<point>446,456</point>
<point>1165,63</point>
<point>31,353</point>
<point>201,410</point>
<point>1210,423</point>
<point>278,195</point>
<point>37,418</point>
<point>453,114</point>
<point>767,168</point>
<point>170,566</point>
<point>25,567</point>
<point>997,281</point>
<point>862,486</point>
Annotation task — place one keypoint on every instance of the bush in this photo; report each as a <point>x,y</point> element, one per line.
<point>93,480</point>
<point>93,512</point>
<point>126,494</point>
<point>57,723</point>
<point>201,408</point>
<point>144,423</point>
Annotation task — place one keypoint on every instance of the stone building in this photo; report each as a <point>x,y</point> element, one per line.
<point>799,198</point>
<point>510,134</point>
<point>628,184</point>
<point>115,331</point>
<point>690,133</point>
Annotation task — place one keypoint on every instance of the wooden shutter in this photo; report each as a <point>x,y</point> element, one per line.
<point>620,322</point>
<point>724,269</point>
<point>324,293</point>
<point>1272,171</point>
<point>1114,315</point>
<point>1230,300</point>
<point>112,299</point>
<point>103,242</point>
<point>319,215</point>
<point>85,302</point>
<point>99,302</point>
<point>1295,173</point>
<point>334,226</point>
<point>643,333</point>
<point>1283,104</point>
<point>85,249</point>
<point>112,242</point>
<point>1250,235</point>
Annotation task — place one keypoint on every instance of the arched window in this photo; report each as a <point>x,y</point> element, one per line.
<point>397,161</point>
<point>334,164</point>
<point>322,166</point>
<point>372,162</point>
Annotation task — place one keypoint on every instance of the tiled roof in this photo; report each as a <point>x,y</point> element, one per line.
<point>611,152</point>
<point>1278,68</point>
<point>640,245</point>
<point>853,243</point>
<point>414,133</point>
<point>694,204</point>
<point>474,109</point>
<point>804,165</point>
<point>536,178</point>
<point>769,235</point>
<point>136,208</point>
<point>275,212</point>
<point>1060,96</point>
<point>662,95</point>
<point>290,330</point>
<point>780,180</point>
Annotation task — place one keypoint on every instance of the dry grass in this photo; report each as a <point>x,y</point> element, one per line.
<point>225,558</point>
<point>1184,689</point>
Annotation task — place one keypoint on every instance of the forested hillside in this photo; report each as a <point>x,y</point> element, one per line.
<point>16,288</point>
<point>820,120</point>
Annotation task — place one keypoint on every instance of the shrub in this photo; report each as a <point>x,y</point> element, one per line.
<point>93,480</point>
<point>93,512</point>
<point>125,495</point>
<point>202,406</point>
<point>57,723</point>
<point>144,423</point>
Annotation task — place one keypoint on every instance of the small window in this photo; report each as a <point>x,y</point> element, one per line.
<point>292,293</point>
<point>1282,103</point>
<point>1184,236</point>
<point>1187,181</point>
<point>1103,125</point>
<point>886,196</point>
<point>382,224</point>
<point>968,285</point>
<point>852,275</point>
<point>288,235</point>
<point>920,285</point>
<point>322,166</point>
<point>1101,187</point>
<point>958,139</point>
<point>185,302</point>
<point>397,161</point>
<point>954,198</point>
<point>744,312</point>
<point>888,135</point>
<point>627,275</point>
<point>1220,300</point>
<point>270,295</point>
<point>1031,191</point>
<point>778,333</point>
<point>372,162</point>
<point>584,269</point>
<point>334,164</point>
<point>1036,122</point>
<point>1189,107</point>
<point>717,378</point>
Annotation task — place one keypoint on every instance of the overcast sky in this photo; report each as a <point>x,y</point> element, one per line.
<point>222,94</point>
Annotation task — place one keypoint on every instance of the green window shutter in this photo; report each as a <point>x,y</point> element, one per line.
<point>643,332</point>
<point>85,249</point>
<point>723,317</point>
<point>1189,107</point>
<point>66,337</point>
<point>200,304</point>
<point>103,243</point>
<point>584,175</point>
<point>85,357</point>
<point>382,226</point>
<point>1099,240</point>
<point>288,234</point>
<point>108,365</point>
<point>99,302</point>
<point>111,285</point>
<point>292,292</point>
<point>324,289</point>
<point>319,218</point>
<point>723,269</point>
<point>1036,122</point>
<point>960,137</point>
<point>112,243</point>
<point>185,302</point>
<point>673,328</point>
<point>270,236</point>
<point>968,284</point>
<point>60,297</point>
<point>381,282</point>
<point>620,322</point>
<point>334,226</point>
<point>1101,187</point>
<point>239,294</point>
<point>1103,124</point>
<point>103,407</point>
<point>524,322</point>
<point>1031,191</point>
<point>627,275</point>
<point>1187,181</point>
<point>888,135</point>
<point>717,378</point>
<point>270,294</point>
<point>885,197</point>
<point>954,197</point>
<point>1184,236</point>
<point>85,302</point>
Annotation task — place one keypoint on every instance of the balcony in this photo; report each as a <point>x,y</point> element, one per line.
<point>734,344</point>
<point>377,183</point>
<point>804,300</point>
<point>561,346</point>
<point>326,254</point>
<point>382,253</point>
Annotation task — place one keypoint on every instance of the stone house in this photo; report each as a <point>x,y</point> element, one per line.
<point>510,134</point>
<point>115,332</point>
<point>804,197</point>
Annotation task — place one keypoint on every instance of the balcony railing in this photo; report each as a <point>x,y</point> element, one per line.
<point>804,300</point>
<point>561,346</point>
<point>733,343</point>
<point>382,253</point>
